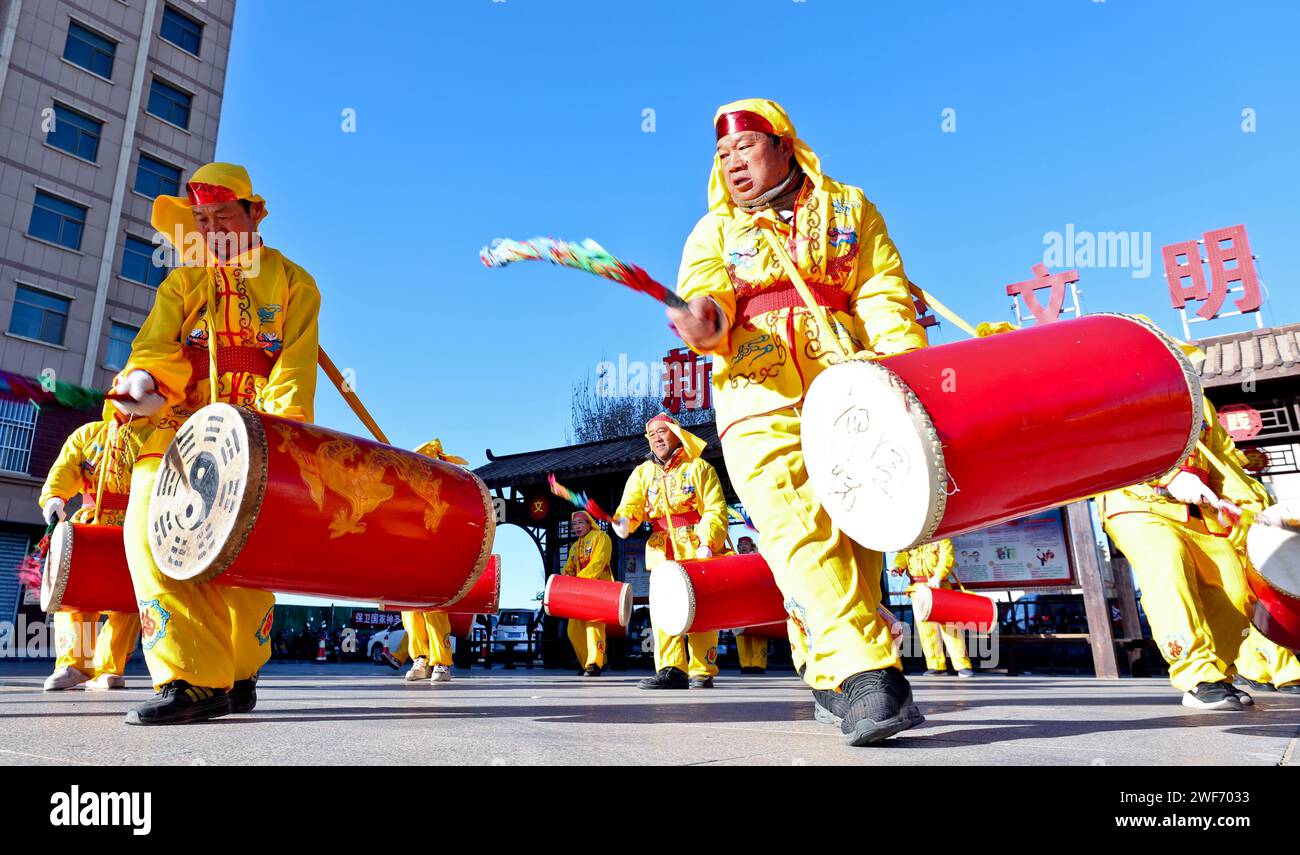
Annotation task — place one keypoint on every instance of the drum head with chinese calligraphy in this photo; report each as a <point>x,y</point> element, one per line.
<point>873,456</point>
<point>208,492</point>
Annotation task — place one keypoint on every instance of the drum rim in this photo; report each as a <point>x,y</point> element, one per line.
<point>546,594</point>
<point>625,605</point>
<point>928,599</point>
<point>1257,571</point>
<point>687,586</point>
<point>254,488</point>
<point>1190,376</point>
<point>58,583</point>
<point>920,418</point>
<point>496,584</point>
<point>1261,606</point>
<point>489,535</point>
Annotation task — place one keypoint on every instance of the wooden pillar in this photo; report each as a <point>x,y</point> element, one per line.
<point>1083,552</point>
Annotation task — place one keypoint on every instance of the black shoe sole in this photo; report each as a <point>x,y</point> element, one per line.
<point>867,732</point>
<point>656,686</point>
<point>241,707</point>
<point>214,707</point>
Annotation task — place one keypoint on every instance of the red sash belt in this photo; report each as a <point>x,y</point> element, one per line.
<point>232,359</point>
<point>107,502</point>
<point>682,519</point>
<point>786,297</point>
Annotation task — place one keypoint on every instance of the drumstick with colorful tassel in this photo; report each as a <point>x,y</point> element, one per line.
<point>584,255</point>
<point>578,500</point>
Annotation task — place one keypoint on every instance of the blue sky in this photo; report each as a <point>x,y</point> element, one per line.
<point>480,119</point>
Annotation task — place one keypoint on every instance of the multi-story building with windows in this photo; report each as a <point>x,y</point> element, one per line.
<point>104,104</point>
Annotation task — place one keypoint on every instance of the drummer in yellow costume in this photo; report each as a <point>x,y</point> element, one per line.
<point>1188,559</point>
<point>95,461</point>
<point>241,312</point>
<point>773,213</point>
<point>588,559</point>
<point>679,493</point>
<point>931,564</point>
<point>428,633</point>
<point>751,650</point>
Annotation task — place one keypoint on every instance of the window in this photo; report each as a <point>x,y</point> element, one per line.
<point>169,103</point>
<point>181,30</point>
<point>89,50</point>
<point>138,263</point>
<point>39,315</point>
<point>120,338</point>
<point>155,178</point>
<point>57,221</point>
<point>17,428</point>
<point>75,133</point>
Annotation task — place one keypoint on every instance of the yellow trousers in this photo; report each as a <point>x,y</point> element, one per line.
<point>588,640</point>
<point>78,645</point>
<point>671,652</point>
<point>428,634</point>
<point>205,634</point>
<point>752,651</point>
<point>934,638</point>
<point>1263,661</point>
<point>831,584</point>
<point>1194,593</point>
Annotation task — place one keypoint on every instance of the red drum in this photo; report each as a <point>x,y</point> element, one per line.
<point>588,599</point>
<point>259,501</point>
<point>485,597</point>
<point>941,605</point>
<point>946,440</point>
<point>94,578</point>
<point>1275,580</point>
<point>776,629</point>
<point>713,594</point>
<point>462,625</point>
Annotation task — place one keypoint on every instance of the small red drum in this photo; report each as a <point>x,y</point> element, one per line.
<point>949,439</point>
<point>713,594</point>
<point>485,597</point>
<point>263,502</point>
<point>94,577</point>
<point>941,605</point>
<point>1275,580</point>
<point>588,599</point>
<point>462,625</point>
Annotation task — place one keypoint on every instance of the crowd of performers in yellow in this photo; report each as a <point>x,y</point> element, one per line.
<point>242,329</point>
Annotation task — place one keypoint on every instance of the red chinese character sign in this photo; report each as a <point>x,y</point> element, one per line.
<point>687,381</point>
<point>1056,282</point>
<point>538,506</point>
<point>1241,421</point>
<point>1228,255</point>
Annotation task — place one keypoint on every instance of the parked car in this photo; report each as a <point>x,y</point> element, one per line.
<point>514,628</point>
<point>390,638</point>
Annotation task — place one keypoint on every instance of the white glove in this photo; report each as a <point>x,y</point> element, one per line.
<point>140,386</point>
<point>1281,514</point>
<point>1189,489</point>
<point>53,508</point>
<point>703,552</point>
<point>622,527</point>
<point>933,581</point>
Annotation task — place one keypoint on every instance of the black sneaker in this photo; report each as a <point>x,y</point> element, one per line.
<point>1252,685</point>
<point>592,671</point>
<point>180,703</point>
<point>1212,696</point>
<point>701,683</point>
<point>243,697</point>
<point>1243,697</point>
<point>826,706</point>
<point>875,705</point>
<point>668,678</point>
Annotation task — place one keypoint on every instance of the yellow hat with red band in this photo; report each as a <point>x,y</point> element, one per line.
<point>769,117</point>
<point>211,183</point>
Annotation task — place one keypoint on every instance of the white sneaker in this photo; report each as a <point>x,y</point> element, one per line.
<point>65,678</point>
<point>104,682</point>
<point>419,670</point>
<point>441,674</point>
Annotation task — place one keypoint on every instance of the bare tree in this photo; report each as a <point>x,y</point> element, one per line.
<point>595,417</point>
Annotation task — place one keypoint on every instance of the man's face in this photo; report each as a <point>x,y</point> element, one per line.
<point>580,525</point>
<point>226,227</point>
<point>745,546</point>
<point>663,442</point>
<point>751,165</point>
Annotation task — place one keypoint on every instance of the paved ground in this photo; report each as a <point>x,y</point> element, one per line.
<point>360,714</point>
